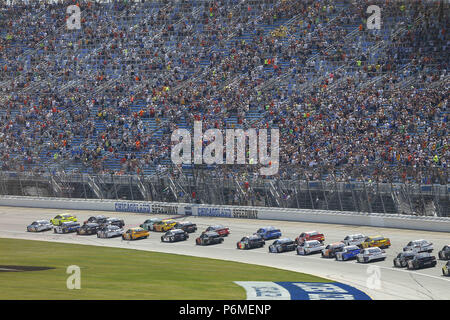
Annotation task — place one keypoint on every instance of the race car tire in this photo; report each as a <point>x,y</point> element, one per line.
<point>278,249</point>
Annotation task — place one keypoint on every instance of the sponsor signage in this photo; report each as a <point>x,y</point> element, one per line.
<point>245,213</point>
<point>227,212</point>
<point>145,208</point>
<point>266,290</point>
<point>188,211</point>
<point>132,207</point>
<point>214,212</point>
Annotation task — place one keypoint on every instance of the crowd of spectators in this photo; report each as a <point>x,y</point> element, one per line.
<point>349,102</point>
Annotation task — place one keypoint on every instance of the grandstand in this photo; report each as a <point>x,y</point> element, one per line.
<point>352,104</point>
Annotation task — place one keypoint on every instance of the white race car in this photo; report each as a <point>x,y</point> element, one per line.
<point>109,231</point>
<point>311,246</point>
<point>67,227</point>
<point>371,254</point>
<point>354,239</point>
<point>40,225</point>
<point>420,245</point>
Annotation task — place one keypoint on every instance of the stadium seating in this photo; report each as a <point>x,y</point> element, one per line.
<point>106,98</point>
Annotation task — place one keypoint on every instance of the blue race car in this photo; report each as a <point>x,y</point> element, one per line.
<point>347,253</point>
<point>269,233</point>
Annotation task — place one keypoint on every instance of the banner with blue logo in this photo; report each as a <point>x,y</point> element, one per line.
<point>266,290</point>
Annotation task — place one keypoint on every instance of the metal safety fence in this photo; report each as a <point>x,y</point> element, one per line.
<point>170,184</point>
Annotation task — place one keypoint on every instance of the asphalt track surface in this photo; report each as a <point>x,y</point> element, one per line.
<point>380,280</point>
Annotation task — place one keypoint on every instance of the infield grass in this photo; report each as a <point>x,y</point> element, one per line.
<point>114,273</point>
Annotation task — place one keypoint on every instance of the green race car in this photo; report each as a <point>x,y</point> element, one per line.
<point>149,223</point>
<point>60,218</point>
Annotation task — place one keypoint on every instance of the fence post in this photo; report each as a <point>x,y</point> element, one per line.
<point>131,186</point>
<point>309,191</point>
<point>369,206</point>
<point>84,186</point>
<point>355,204</point>
<point>338,192</point>
<point>381,197</point>
<point>37,187</point>
<point>324,194</point>
<point>20,184</point>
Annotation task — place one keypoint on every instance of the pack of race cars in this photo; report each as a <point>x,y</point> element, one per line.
<point>416,254</point>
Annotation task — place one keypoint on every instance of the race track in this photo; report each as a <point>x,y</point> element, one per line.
<point>394,283</point>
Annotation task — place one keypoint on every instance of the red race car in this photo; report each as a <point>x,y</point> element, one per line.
<point>309,235</point>
<point>221,230</point>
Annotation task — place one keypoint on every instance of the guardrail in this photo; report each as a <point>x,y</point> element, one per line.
<point>440,224</point>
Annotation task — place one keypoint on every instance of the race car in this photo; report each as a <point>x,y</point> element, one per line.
<point>221,230</point>
<point>268,233</point>
<point>330,250</point>
<point>164,225</point>
<point>135,233</point>
<point>115,222</point>
<point>109,231</point>
<point>347,253</point>
<point>401,260</point>
<point>444,254</point>
<point>175,235</point>
<point>148,224</point>
<point>88,228</point>
<point>282,245</point>
<point>310,235</point>
<point>66,227</point>
<point>309,247</point>
<point>446,269</point>
<point>376,241</point>
<point>40,225</point>
<point>97,219</point>
<point>354,239</point>
<point>251,242</point>
<point>60,218</point>
<point>187,226</point>
<point>419,246</point>
<point>208,238</point>
<point>421,260</point>
<point>371,254</point>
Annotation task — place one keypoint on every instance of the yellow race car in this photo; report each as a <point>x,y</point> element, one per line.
<point>60,218</point>
<point>376,241</point>
<point>164,225</point>
<point>135,233</point>
<point>446,269</point>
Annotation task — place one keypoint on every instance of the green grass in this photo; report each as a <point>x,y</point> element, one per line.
<point>114,273</point>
